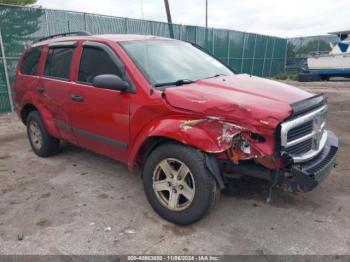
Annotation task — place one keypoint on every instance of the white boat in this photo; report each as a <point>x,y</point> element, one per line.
<point>333,63</point>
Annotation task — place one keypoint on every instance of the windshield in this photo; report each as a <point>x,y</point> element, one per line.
<point>167,62</point>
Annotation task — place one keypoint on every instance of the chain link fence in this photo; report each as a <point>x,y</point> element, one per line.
<point>243,52</point>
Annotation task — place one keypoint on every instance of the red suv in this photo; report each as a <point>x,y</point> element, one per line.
<point>173,111</point>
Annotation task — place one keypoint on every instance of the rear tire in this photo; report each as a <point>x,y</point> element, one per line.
<point>308,77</point>
<point>185,179</point>
<point>42,143</point>
<point>325,78</point>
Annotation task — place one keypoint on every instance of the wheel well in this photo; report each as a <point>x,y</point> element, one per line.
<point>148,146</point>
<point>153,142</point>
<point>25,112</point>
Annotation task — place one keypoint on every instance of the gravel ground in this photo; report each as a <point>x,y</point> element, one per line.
<point>81,203</point>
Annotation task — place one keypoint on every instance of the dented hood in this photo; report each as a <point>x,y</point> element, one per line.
<point>247,99</point>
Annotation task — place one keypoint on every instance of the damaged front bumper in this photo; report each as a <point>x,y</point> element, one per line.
<point>308,175</point>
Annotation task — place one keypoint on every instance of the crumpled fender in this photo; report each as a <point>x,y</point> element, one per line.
<point>208,135</point>
<point>45,114</point>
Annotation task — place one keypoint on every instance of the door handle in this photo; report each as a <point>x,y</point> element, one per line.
<point>40,89</point>
<point>77,98</point>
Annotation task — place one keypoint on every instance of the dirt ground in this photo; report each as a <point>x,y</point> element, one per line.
<point>81,203</point>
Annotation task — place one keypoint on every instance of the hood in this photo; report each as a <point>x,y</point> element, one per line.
<point>247,99</point>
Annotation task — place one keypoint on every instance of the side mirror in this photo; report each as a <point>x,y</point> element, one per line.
<point>108,81</point>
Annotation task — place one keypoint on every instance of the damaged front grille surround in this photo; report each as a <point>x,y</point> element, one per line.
<point>304,137</point>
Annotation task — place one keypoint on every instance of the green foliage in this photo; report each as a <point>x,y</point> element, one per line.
<point>18,2</point>
<point>19,27</point>
<point>291,50</point>
<point>286,76</point>
<point>311,46</point>
<point>315,45</point>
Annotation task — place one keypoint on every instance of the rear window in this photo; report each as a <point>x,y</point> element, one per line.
<point>30,61</point>
<point>58,62</point>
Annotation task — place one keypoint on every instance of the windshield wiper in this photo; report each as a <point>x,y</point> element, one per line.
<point>214,76</point>
<point>179,82</point>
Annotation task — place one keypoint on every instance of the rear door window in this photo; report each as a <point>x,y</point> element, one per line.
<point>58,62</point>
<point>31,61</point>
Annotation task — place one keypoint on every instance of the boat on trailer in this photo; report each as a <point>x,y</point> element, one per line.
<point>323,65</point>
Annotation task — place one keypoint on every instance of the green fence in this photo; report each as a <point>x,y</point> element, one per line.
<point>244,52</point>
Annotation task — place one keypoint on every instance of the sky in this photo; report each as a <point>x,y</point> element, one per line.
<point>282,18</point>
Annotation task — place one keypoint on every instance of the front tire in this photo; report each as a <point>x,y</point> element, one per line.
<point>177,183</point>
<point>42,143</point>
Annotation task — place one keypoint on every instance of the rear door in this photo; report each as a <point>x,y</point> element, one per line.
<point>27,78</point>
<point>56,86</point>
<point>100,117</point>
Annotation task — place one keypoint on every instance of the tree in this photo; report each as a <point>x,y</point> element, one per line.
<point>314,46</point>
<point>290,50</point>
<point>18,2</point>
<point>19,26</point>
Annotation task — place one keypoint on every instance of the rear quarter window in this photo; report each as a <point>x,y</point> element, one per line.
<point>58,62</point>
<point>30,61</point>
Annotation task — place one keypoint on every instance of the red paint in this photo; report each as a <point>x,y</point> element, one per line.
<point>252,104</point>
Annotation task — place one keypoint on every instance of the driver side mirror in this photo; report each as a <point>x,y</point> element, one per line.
<point>109,81</point>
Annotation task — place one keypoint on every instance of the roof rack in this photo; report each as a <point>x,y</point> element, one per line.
<point>78,33</point>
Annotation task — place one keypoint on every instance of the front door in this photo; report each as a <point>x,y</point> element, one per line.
<point>100,117</point>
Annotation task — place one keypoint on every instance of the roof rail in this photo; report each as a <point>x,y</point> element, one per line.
<point>78,33</point>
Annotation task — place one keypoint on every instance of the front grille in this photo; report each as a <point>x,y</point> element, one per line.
<point>304,136</point>
<point>300,148</point>
<point>299,131</point>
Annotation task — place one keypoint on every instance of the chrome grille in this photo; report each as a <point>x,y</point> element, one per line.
<point>305,136</point>
<point>300,148</point>
<point>300,131</point>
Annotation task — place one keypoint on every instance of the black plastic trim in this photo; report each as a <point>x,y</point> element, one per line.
<point>63,44</point>
<point>307,105</point>
<point>87,134</point>
<point>78,33</point>
<point>309,174</point>
<point>213,167</point>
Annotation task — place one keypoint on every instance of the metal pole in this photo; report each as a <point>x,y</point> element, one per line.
<point>151,27</point>
<point>47,24</point>
<point>170,23</point>
<point>263,69</point>
<point>273,51</point>
<point>206,14</point>
<point>181,31</point>
<point>244,41</point>
<point>84,18</point>
<point>228,47</point>
<point>253,62</point>
<point>126,25</point>
<point>213,39</point>
<point>6,73</point>
<point>285,56</point>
